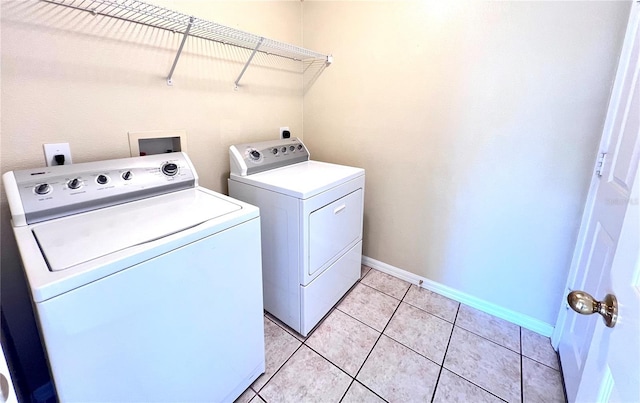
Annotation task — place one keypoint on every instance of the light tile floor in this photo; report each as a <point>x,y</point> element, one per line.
<point>388,340</point>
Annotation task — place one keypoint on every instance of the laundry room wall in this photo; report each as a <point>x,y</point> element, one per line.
<point>69,76</point>
<point>478,125</point>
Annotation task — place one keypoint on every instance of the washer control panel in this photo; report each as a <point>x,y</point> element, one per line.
<point>56,191</point>
<point>250,158</point>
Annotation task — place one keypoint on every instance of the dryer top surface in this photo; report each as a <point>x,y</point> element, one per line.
<point>302,180</point>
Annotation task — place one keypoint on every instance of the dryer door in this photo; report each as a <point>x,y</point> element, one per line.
<point>333,229</point>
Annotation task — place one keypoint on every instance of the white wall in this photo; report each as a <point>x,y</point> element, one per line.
<point>477,124</point>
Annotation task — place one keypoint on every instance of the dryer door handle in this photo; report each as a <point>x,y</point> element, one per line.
<point>339,209</point>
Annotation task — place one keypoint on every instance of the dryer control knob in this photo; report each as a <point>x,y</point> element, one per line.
<point>299,146</point>
<point>170,169</point>
<point>74,183</point>
<point>274,151</point>
<point>254,155</point>
<point>42,189</point>
<point>127,175</point>
<point>291,148</point>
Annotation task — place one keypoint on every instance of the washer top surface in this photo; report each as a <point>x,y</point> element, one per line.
<point>80,238</point>
<point>302,180</point>
<point>67,253</point>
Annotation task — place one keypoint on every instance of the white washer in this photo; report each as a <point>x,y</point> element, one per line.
<point>311,216</point>
<point>146,286</point>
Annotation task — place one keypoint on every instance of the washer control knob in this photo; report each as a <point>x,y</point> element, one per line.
<point>170,169</point>
<point>299,146</point>
<point>74,183</point>
<point>291,148</point>
<point>42,189</point>
<point>127,175</point>
<point>274,151</point>
<point>283,149</point>
<point>102,179</point>
<point>254,155</point>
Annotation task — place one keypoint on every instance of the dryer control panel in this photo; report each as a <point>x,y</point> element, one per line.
<point>249,158</point>
<point>42,194</point>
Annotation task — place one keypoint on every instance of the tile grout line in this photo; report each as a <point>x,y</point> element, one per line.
<point>483,337</point>
<point>430,313</point>
<point>458,375</point>
<point>278,370</point>
<point>346,391</point>
<point>282,365</point>
<point>384,293</point>
<point>340,369</point>
<point>444,357</point>
<point>376,343</point>
<point>521,372</point>
<point>369,389</point>
<point>539,362</point>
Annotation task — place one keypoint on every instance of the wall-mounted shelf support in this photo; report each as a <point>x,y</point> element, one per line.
<point>237,82</point>
<point>175,61</point>
<point>154,16</point>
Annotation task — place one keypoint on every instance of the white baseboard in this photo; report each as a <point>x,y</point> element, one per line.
<point>519,319</point>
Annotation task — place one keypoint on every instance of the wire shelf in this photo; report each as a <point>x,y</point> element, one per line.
<point>163,18</point>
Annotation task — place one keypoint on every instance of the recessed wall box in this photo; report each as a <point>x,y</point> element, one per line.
<point>157,142</point>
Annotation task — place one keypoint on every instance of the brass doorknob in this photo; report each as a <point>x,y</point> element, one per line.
<point>585,304</point>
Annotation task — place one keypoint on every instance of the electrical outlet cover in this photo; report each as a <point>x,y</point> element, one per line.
<point>282,130</point>
<point>53,149</point>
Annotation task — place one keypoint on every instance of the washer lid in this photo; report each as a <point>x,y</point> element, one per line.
<point>302,180</point>
<point>73,240</point>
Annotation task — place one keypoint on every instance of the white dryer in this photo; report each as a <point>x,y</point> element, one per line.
<point>146,286</point>
<point>311,216</point>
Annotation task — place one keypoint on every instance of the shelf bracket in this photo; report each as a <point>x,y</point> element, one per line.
<point>248,62</point>
<point>175,61</point>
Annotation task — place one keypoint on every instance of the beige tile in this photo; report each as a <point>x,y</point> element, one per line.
<point>344,341</point>
<point>420,331</point>
<point>369,306</point>
<point>246,396</point>
<point>454,389</point>
<point>398,374</point>
<point>364,270</point>
<point>541,383</point>
<point>538,347</point>
<point>386,283</point>
<point>285,327</point>
<point>488,326</point>
<point>306,377</point>
<point>432,302</point>
<point>279,346</point>
<point>359,394</point>
<point>484,363</point>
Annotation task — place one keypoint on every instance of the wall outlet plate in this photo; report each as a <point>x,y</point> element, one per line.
<point>53,149</point>
<point>282,132</point>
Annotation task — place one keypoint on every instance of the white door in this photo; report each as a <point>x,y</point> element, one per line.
<point>612,369</point>
<point>591,362</point>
